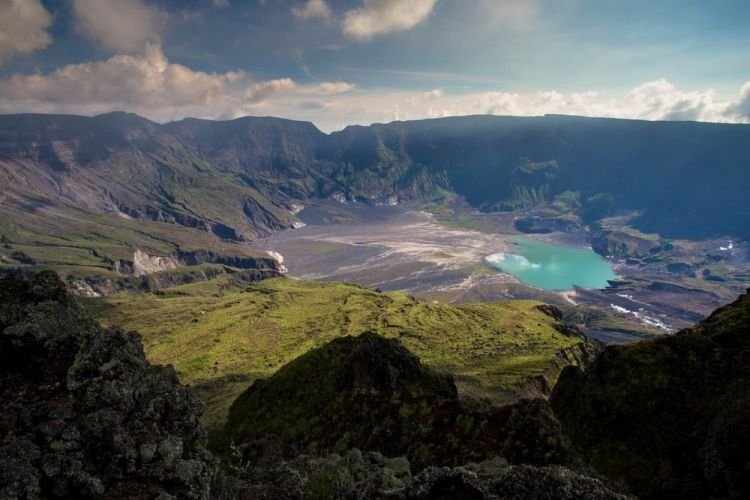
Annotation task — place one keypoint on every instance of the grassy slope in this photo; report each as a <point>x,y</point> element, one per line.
<point>83,244</point>
<point>220,334</point>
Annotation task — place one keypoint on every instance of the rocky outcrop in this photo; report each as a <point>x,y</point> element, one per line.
<point>669,417</point>
<point>370,475</point>
<point>496,480</point>
<point>580,355</point>
<point>351,474</point>
<point>535,224</point>
<point>84,415</point>
<point>623,245</point>
<point>144,263</point>
<point>371,393</point>
<point>261,263</point>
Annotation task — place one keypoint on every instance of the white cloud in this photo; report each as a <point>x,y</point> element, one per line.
<point>433,94</point>
<point>329,88</point>
<point>148,84</point>
<point>258,92</point>
<point>122,81</point>
<point>221,4</point>
<point>740,109</point>
<point>661,100</point>
<point>23,27</point>
<point>657,100</point>
<point>378,17</point>
<point>313,9</point>
<point>121,25</point>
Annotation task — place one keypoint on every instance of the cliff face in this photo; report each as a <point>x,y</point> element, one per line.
<point>84,415</point>
<point>670,417</point>
<point>580,355</point>
<point>218,177</point>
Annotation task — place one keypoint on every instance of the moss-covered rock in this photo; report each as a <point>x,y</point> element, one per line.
<point>371,393</point>
<point>670,417</point>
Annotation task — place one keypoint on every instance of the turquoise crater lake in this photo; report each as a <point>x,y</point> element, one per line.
<point>552,267</point>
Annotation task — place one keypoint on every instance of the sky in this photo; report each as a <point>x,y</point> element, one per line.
<point>342,62</point>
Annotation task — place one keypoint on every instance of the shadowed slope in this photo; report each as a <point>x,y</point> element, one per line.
<point>672,416</point>
<point>371,393</point>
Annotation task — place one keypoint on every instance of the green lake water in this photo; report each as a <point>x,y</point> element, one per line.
<point>552,267</point>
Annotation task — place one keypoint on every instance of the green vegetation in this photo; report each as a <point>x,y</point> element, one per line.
<point>611,238</point>
<point>600,320</point>
<point>222,334</point>
<point>669,416</point>
<point>82,244</point>
<point>371,393</point>
<point>530,185</point>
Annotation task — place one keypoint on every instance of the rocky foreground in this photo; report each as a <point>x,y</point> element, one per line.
<point>669,417</point>
<point>85,415</point>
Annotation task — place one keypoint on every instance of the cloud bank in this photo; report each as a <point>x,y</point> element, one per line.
<point>741,108</point>
<point>378,17</point>
<point>150,85</point>
<point>118,25</point>
<point>23,27</point>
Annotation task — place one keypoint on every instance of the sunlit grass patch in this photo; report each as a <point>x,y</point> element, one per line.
<point>222,334</point>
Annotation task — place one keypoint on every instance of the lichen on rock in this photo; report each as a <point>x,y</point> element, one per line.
<point>85,415</point>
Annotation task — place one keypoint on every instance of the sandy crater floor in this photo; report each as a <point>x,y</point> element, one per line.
<point>390,249</point>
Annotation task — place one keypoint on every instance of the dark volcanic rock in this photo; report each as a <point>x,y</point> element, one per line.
<point>84,415</point>
<point>670,417</point>
<point>496,481</point>
<point>371,393</point>
<point>360,476</point>
<point>542,225</point>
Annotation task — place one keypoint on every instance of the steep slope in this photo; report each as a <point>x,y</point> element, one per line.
<point>126,165</point>
<point>668,170</point>
<point>371,393</point>
<point>222,334</point>
<point>271,155</point>
<point>84,415</point>
<point>670,417</point>
<point>113,196</point>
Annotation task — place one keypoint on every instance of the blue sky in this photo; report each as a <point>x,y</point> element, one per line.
<point>337,62</point>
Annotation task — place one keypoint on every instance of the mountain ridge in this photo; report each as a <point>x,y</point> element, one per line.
<point>231,182</point>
